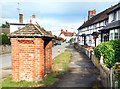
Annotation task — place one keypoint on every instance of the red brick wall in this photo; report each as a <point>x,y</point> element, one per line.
<point>48,57</point>
<point>15,59</point>
<point>39,59</point>
<point>27,59</point>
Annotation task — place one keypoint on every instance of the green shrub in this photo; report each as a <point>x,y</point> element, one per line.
<point>97,51</point>
<point>4,39</point>
<point>110,51</point>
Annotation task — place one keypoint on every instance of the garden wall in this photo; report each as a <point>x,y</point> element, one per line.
<point>5,49</point>
<point>105,73</point>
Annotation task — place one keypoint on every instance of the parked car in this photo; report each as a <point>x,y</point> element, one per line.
<point>54,43</point>
<point>59,43</point>
<point>68,42</point>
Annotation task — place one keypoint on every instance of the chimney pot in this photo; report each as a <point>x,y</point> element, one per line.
<point>33,16</point>
<point>66,30</point>
<point>30,21</point>
<point>61,31</point>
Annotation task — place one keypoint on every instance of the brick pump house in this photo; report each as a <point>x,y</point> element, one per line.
<point>31,52</point>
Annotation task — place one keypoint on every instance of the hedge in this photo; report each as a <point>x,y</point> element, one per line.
<point>4,40</point>
<point>110,51</point>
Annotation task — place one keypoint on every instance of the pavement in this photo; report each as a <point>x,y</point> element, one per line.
<point>81,72</point>
<point>5,60</point>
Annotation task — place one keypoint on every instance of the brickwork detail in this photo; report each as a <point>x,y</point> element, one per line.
<point>48,57</point>
<point>27,59</point>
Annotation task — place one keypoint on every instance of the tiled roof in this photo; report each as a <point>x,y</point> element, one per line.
<point>31,31</point>
<point>98,18</point>
<point>114,9</point>
<point>67,33</point>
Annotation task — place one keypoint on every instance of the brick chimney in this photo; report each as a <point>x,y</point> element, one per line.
<point>20,18</point>
<point>62,31</point>
<point>91,13</point>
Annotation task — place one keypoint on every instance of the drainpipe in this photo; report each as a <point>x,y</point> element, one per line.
<point>95,41</point>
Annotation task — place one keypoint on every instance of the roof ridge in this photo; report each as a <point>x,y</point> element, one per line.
<point>38,29</point>
<point>31,30</point>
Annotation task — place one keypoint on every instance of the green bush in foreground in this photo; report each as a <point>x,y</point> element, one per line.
<point>110,51</point>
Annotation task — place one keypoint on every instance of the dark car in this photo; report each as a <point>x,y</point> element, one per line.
<point>68,42</point>
<point>55,43</point>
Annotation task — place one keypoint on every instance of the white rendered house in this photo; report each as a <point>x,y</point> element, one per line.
<point>16,26</point>
<point>97,25</point>
<point>66,35</point>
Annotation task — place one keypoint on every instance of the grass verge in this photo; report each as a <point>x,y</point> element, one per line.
<point>59,66</point>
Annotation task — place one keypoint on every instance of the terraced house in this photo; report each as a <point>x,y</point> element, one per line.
<point>101,27</point>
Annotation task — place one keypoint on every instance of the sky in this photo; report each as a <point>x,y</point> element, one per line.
<point>53,15</point>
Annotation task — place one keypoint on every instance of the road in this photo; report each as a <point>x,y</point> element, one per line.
<point>5,60</point>
<point>55,49</point>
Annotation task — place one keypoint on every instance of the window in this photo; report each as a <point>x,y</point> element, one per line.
<point>82,39</point>
<point>87,28</point>
<point>90,41</point>
<point>114,16</point>
<point>106,22</point>
<point>111,36</point>
<point>95,26</point>
<point>116,36</point>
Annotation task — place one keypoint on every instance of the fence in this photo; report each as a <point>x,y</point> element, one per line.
<point>107,75</point>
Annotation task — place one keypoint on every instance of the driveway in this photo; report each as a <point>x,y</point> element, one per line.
<point>5,60</point>
<point>81,72</point>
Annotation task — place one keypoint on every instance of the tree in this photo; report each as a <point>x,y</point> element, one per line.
<point>6,25</point>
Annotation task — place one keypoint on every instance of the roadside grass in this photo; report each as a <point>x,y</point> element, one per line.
<point>59,66</point>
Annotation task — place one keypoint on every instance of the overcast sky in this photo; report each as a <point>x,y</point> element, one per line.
<point>53,15</point>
